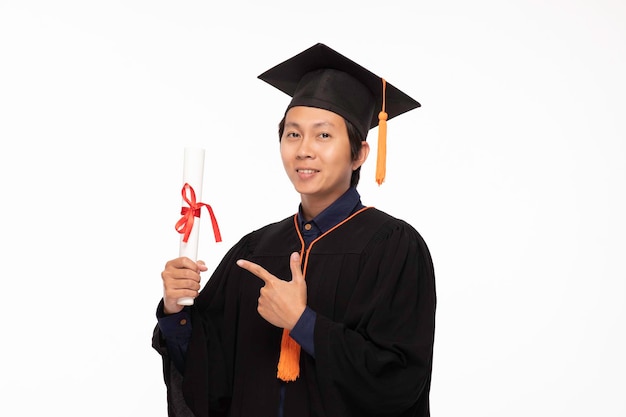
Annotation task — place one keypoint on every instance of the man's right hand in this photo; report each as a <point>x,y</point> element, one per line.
<point>181,278</point>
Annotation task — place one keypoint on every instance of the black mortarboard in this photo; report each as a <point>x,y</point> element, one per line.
<point>321,77</point>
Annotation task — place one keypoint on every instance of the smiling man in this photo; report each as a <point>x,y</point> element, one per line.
<point>329,312</point>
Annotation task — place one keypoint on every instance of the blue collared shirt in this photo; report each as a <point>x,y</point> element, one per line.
<point>334,214</point>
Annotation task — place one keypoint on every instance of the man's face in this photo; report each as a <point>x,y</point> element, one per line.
<point>315,150</point>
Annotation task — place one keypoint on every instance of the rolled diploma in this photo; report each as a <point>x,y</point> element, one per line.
<point>193,170</point>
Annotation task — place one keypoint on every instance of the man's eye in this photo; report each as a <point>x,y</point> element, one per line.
<point>325,135</point>
<point>292,135</point>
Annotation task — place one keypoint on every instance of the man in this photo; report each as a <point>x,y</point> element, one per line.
<point>329,312</point>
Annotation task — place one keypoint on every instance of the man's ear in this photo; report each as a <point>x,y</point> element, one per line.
<point>362,157</point>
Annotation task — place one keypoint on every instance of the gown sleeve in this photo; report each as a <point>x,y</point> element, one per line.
<point>207,385</point>
<point>378,357</point>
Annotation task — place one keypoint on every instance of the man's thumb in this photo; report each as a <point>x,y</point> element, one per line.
<point>295,264</point>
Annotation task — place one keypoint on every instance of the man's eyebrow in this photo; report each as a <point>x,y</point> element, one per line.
<point>316,124</point>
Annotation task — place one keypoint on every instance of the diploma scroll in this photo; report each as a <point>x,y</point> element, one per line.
<point>193,171</point>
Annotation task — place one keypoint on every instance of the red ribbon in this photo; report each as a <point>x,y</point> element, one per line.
<point>185,224</point>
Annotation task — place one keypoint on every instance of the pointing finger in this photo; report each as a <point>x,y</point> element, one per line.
<point>256,269</point>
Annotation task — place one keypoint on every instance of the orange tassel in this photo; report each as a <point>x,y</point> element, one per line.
<point>289,361</point>
<point>381,159</point>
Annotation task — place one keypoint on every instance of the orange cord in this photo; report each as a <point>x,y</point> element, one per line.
<point>381,160</point>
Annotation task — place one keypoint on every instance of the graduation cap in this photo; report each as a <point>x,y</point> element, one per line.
<point>321,77</point>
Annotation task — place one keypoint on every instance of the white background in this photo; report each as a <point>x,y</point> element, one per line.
<point>513,171</point>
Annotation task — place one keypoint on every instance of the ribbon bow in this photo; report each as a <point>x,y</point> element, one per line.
<point>185,224</point>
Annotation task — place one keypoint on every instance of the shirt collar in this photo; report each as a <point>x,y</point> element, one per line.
<point>334,214</point>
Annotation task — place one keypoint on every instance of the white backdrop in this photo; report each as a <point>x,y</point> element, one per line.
<point>513,171</point>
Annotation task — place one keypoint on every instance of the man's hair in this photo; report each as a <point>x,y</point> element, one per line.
<point>356,143</point>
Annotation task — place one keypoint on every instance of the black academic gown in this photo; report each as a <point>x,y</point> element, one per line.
<point>371,283</point>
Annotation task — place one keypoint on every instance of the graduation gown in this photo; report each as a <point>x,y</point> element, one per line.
<point>371,282</point>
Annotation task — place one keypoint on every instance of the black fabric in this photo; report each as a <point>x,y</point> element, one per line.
<point>371,283</point>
